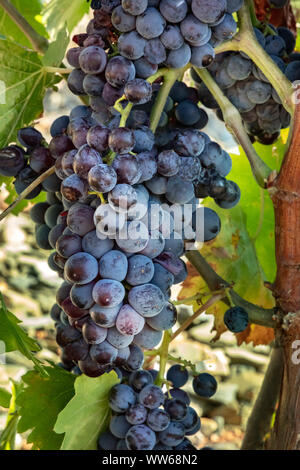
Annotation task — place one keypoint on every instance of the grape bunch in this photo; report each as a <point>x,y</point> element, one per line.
<point>170,32</point>
<point>146,418</point>
<point>249,90</point>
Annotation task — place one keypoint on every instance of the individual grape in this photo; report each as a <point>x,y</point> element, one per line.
<point>275,45</point>
<point>74,188</point>
<point>75,82</point>
<point>158,420</point>
<point>288,37</point>
<point>24,179</point>
<point>231,197</point>
<point>119,426</point>
<point>96,246</point>
<point>236,319</point>
<point>226,29</point>
<point>55,313</point>
<point>122,21</point>
<point>204,385</point>
<point>131,45</point>
<point>136,358</point>
<point>259,92</point>
<point>140,437</point>
<point>117,339</point>
<point>108,222</point>
<point>138,91</point>
<point>93,85</point>
<point>167,163</point>
<point>147,166</point>
<point>41,235</point>
<point>93,60</point>
<point>128,321</point>
<point>63,292</point>
<point>102,178</point>
<point>29,137</point>
<point>155,51</point>
<point>165,320</point>
<point>174,11</point>
<point>176,409</point>
<point>41,159</point>
<point>177,375</point>
<point>97,138</point>
<point>162,278</point>
<point>172,38</point>
<point>105,316</point>
<point>157,185</point>
<point>108,293</point>
<point>121,140</point>
<point>80,219</point>
<point>133,237</point>
<point>81,268</point>
<point>123,197</point>
<point>179,191</point>
<point>140,270</point>
<point>209,12</point>
<point>134,7</point>
<point>191,422</point>
<point>107,441</point>
<point>122,357</point>
<point>144,69</point>
<point>121,398</point>
<point>206,221</point>
<point>77,350</point>
<point>68,245</point>
<point>185,445</point>
<point>180,57</point>
<point>148,338</point>
<point>150,24</point>
<point>179,394</point>
<point>85,159</point>
<point>119,71</point>
<point>147,299</point>
<point>151,396</point>
<point>11,160</point>
<point>67,162</point>
<point>103,353</point>
<point>155,245</point>
<point>189,142</point>
<point>202,56</point>
<point>81,295</point>
<point>233,5</point>
<point>140,379</point>
<point>52,214</point>
<point>92,333</point>
<point>173,435</point>
<point>137,414</point>
<point>37,212</point>
<point>73,56</point>
<point>113,265</point>
<point>238,67</point>
<point>91,368</point>
<point>194,31</point>
<point>144,139</point>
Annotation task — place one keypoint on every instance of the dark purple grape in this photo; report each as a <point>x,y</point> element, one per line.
<point>103,353</point>
<point>102,178</point>
<point>108,293</point>
<point>93,60</point>
<point>93,333</point>
<point>74,188</point>
<point>80,219</point>
<point>81,268</point>
<point>140,437</point>
<point>85,159</point>
<point>119,71</point>
<point>121,140</point>
<point>11,160</point>
<point>137,414</point>
<point>97,138</point>
<point>158,420</point>
<point>138,91</point>
<point>151,396</point>
<point>30,137</point>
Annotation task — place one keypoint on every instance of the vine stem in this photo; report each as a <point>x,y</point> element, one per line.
<point>233,120</point>
<point>163,353</point>
<point>245,41</point>
<point>27,191</point>
<point>39,43</point>
<point>257,315</point>
<point>214,299</point>
<point>170,77</point>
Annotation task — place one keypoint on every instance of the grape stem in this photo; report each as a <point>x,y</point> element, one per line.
<point>27,191</point>
<point>214,299</point>
<point>245,41</point>
<point>170,77</point>
<point>233,120</point>
<point>39,43</point>
<point>257,315</point>
<point>163,354</point>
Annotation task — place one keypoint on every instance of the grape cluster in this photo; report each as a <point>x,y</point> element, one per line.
<point>146,418</point>
<point>171,32</point>
<point>249,90</point>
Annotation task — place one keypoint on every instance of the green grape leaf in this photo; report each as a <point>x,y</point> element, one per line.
<point>57,49</point>
<point>23,83</point>
<point>8,435</point>
<point>60,12</point>
<point>15,338</point>
<point>31,10</point>
<point>41,400</point>
<point>87,414</point>
<point>5,397</point>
